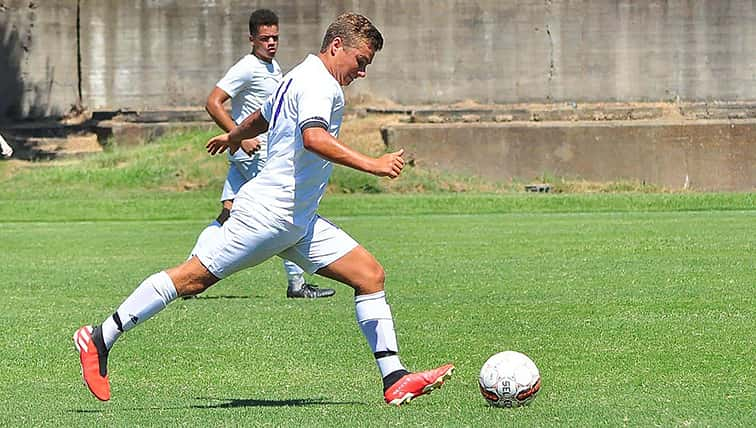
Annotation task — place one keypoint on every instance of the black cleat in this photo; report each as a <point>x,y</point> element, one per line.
<point>309,291</point>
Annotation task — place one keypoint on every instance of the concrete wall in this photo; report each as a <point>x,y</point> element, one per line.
<point>141,53</point>
<point>38,61</point>
<point>702,155</point>
<point>170,52</point>
<point>148,53</point>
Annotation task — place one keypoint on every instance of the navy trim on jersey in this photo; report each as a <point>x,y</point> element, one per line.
<point>314,122</point>
<point>280,102</point>
<point>281,85</point>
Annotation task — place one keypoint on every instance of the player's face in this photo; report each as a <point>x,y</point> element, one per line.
<point>352,63</point>
<point>265,42</point>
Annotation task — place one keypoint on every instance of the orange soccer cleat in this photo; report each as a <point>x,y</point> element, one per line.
<point>94,360</point>
<point>414,385</point>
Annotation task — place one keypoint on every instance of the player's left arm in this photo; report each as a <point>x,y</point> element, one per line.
<point>322,143</point>
<point>315,104</point>
<point>254,125</point>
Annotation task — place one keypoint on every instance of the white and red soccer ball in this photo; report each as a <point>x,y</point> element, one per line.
<point>509,379</point>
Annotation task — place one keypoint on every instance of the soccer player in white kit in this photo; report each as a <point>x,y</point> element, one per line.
<point>248,83</point>
<point>6,150</point>
<point>275,213</point>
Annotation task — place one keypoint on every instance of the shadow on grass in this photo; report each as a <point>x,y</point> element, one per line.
<point>252,402</point>
<point>232,403</point>
<point>224,297</point>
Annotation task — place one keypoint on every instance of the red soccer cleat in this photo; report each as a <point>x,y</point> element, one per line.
<point>414,385</point>
<point>94,361</point>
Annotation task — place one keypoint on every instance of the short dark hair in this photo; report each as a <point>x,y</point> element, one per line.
<point>353,29</point>
<point>261,17</point>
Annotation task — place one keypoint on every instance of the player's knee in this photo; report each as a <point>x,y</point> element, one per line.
<point>375,277</point>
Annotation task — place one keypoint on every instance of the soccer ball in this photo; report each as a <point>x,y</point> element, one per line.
<point>509,379</point>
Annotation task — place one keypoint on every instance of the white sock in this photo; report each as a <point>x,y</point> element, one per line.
<point>295,274</point>
<point>209,236</point>
<point>151,297</point>
<point>377,324</point>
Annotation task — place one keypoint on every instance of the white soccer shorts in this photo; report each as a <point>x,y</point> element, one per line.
<point>249,240</point>
<point>240,172</point>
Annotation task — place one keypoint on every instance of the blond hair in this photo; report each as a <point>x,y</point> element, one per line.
<point>354,29</point>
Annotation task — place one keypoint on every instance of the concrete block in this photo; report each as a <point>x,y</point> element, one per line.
<point>710,155</point>
<point>38,61</point>
<point>130,133</point>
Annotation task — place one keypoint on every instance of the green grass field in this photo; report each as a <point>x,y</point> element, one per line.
<point>634,318</point>
<point>639,309</point>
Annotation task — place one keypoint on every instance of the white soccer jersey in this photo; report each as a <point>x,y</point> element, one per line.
<point>249,83</point>
<point>294,179</point>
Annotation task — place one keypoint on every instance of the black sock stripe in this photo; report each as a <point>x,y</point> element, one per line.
<point>117,320</point>
<point>383,354</point>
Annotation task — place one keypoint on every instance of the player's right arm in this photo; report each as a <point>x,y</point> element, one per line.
<point>235,80</point>
<point>214,107</point>
<point>254,125</point>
